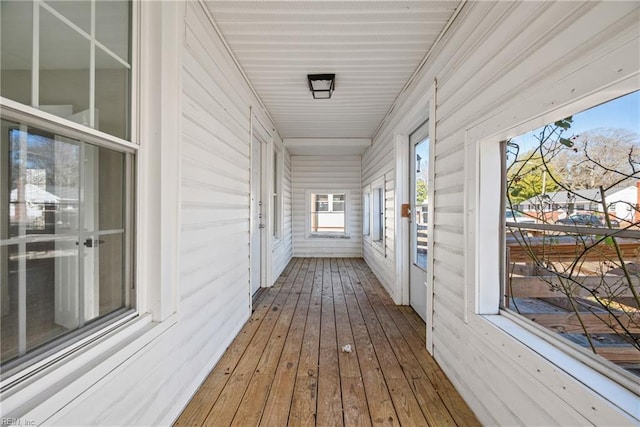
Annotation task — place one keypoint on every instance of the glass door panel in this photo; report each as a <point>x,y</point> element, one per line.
<point>419,179</point>
<point>420,203</point>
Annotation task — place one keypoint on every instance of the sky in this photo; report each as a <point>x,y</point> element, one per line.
<point>623,112</point>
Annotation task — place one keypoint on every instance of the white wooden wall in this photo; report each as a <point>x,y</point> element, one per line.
<point>378,163</point>
<point>499,65</point>
<point>324,173</point>
<point>152,385</point>
<point>283,248</point>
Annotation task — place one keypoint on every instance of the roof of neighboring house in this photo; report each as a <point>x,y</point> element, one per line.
<point>35,194</point>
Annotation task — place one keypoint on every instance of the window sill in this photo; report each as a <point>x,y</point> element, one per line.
<point>36,395</point>
<point>328,236</point>
<point>378,245</point>
<point>610,382</point>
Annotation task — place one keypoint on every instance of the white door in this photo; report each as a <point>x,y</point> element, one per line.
<point>419,179</point>
<point>257,220</point>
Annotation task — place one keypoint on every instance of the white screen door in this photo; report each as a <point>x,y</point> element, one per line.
<point>419,179</point>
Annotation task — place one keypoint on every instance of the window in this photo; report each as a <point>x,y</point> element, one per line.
<point>65,195</point>
<point>378,214</point>
<point>571,271</point>
<point>328,212</point>
<point>276,209</point>
<point>82,51</point>
<point>366,213</point>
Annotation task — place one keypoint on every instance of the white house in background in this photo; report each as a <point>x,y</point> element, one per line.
<point>195,185</point>
<point>622,202</point>
<point>35,198</point>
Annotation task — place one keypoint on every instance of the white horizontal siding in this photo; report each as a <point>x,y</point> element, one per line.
<point>325,173</point>
<point>213,293</point>
<point>283,251</point>
<point>378,163</point>
<point>496,56</point>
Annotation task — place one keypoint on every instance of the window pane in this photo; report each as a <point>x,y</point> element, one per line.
<point>62,236</point>
<point>111,179</point>
<point>275,212</point>
<point>324,219</point>
<point>43,186</point>
<point>78,12</point>
<point>112,26</point>
<point>16,26</point>
<point>380,212</point>
<point>64,70</point>
<point>112,96</point>
<point>43,272</point>
<point>111,273</point>
<point>365,215</point>
<point>420,203</point>
<point>338,202</point>
<point>322,202</point>
<point>572,229</point>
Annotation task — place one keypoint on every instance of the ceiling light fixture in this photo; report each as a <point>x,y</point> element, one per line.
<point>322,85</point>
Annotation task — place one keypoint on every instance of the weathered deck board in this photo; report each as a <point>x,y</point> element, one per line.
<point>287,367</point>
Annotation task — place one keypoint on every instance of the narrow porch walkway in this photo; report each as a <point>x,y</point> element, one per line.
<point>287,366</point>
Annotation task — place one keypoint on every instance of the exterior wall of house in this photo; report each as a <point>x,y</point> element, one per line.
<point>188,316</point>
<point>501,65</point>
<point>625,200</point>
<point>378,165</point>
<point>326,174</point>
<point>283,248</point>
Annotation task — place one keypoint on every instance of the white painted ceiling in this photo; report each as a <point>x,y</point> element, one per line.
<point>373,47</point>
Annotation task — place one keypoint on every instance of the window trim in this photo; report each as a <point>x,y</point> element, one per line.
<point>309,234</point>
<point>379,212</point>
<point>483,169</point>
<point>366,213</point>
<point>38,118</point>
<point>122,324</point>
<point>277,199</point>
<point>61,347</point>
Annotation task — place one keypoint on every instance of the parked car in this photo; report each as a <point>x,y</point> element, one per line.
<point>587,220</point>
<point>519,217</point>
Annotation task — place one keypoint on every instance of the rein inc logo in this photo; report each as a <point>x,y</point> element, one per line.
<point>5,421</point>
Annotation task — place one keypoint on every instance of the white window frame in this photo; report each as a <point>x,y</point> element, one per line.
<point>309,234</point>
<point>31,115</point>
<point>378,213</point>
<point>277,187</point>
<point>155,295</point>
<point>95,45</point>
<point>484,238</point>
<point>366,213</point>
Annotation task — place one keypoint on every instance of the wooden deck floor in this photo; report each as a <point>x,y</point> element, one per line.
<point>287,366</point>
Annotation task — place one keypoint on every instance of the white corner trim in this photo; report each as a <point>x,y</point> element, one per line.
<point>401,196</point>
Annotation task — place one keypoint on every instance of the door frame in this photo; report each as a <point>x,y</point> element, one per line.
<point>261,134</point>
<point>424,108</point>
